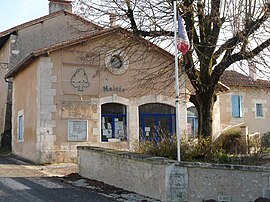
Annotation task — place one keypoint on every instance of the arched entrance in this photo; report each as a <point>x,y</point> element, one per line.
<point>156,120</point>
<point>113,122</point>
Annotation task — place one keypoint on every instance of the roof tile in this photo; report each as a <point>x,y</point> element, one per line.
<point>233,78</point>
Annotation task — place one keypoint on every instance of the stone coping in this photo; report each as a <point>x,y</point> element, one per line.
<point>165,161</point>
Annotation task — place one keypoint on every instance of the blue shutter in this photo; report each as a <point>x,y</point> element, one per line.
<point>235,106</point>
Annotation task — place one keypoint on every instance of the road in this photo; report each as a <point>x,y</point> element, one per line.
<point>23,182</point>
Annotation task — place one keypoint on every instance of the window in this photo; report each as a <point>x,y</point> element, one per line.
<point>259,110</point>
<point>116,61</point>
<point>77,130</point>
<point>156,121</point>
<point>192,121</point>
<point>113,122</point>
<point>20,127</point>
<point>237,106</point>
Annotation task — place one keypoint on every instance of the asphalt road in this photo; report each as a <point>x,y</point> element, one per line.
<point>19,182</point>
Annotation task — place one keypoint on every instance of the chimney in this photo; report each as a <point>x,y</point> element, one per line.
<point>252,70</point>
<point>112,19</point>
<point>58,5</point>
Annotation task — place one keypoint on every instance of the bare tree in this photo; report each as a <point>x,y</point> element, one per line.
<point>222,34</point>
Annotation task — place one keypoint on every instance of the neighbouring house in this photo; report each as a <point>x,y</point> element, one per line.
<point>246,104</point>
<point>75,83</point>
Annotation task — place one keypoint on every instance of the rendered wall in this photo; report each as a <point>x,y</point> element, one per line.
<point>24,100</point>
<point>169,180</point>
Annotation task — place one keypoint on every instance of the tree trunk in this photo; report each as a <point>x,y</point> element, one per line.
<point>204,103</point>
<point>206,116</point>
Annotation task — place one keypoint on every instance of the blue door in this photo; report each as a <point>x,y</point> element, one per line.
<point>156,121</point>
<point>156,126</point>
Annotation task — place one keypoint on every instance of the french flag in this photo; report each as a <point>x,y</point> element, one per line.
<point>182,41</point>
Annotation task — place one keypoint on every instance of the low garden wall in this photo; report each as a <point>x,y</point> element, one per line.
<point>169,180</point>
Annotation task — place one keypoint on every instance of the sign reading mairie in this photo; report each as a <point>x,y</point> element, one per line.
<point>113,89</point>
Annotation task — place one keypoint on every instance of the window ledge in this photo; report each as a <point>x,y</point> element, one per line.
<point>260,117</point>
<point>114,140</point>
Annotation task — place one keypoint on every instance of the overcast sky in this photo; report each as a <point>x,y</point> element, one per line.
<point>15,12</point>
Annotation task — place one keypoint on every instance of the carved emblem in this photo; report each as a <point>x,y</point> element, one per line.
<point>79,79</point>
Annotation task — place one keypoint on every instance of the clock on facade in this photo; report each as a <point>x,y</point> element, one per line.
<point>116,61</point>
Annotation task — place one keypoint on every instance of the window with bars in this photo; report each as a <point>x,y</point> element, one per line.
<point>259,110</point>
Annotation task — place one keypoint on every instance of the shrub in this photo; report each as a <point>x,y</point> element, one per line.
<point>232,142</point>
<point>166,147</point>
<point>200,149</point>
<point>254,143</point>
<point>265,140</point>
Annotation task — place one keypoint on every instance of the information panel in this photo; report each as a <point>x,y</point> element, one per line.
<point>77,130</point>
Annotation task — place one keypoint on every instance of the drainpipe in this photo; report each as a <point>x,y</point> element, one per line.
<point>6,135</point>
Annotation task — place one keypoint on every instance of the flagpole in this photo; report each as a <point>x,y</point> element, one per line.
<point>176,82</point>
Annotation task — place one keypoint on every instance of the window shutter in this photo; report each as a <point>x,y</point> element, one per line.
<point>235,106</point>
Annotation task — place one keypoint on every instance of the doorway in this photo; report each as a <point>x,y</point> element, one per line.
<point>156,121</point>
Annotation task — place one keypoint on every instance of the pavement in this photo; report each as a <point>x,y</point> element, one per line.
<point>48,170</point>
<point>68,173</point>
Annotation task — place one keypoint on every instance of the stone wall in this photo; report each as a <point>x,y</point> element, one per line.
<point>169,180</point>
<point>46,107</point>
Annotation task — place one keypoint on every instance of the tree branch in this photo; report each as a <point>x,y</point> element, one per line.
<point>230,59</point>
<point>131,18</point>
<point>251,27</point>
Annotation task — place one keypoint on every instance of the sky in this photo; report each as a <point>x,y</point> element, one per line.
<point>15,12</point>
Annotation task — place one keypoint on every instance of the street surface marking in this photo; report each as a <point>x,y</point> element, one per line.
<point>13,184</point>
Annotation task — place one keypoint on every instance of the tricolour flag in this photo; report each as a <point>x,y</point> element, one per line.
<point>182,41</point>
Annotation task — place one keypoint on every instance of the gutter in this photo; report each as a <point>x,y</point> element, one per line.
<point>19,67</point>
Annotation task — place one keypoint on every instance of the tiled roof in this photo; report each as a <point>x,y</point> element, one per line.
<point>43,18</point>
<point>28,59</point>
<point>4,35</point>
<point>36,37</point>
<point>233,78</point>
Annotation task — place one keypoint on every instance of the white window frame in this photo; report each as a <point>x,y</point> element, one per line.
<point>20,127</point>
<point>70,132</point>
